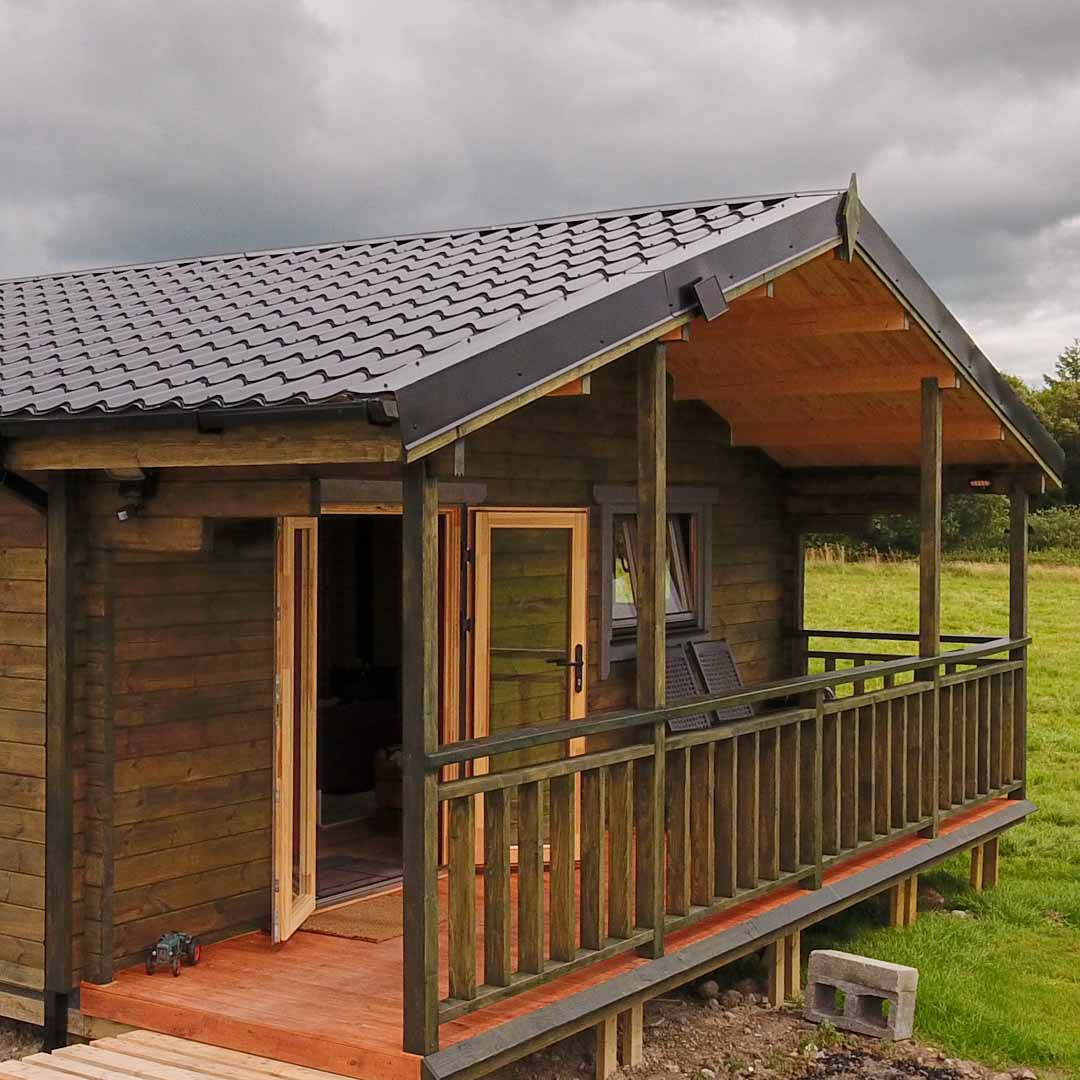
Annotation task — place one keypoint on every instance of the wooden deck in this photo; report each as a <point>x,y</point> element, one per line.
<point>153,1056</point>
<point>336,1004</point>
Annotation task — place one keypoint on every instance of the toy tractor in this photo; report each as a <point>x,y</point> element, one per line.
<point>171,949</point>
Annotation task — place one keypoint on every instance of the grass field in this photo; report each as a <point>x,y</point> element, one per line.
<point>1003,987</point>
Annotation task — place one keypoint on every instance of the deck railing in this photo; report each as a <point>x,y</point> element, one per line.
<point>874,747</point>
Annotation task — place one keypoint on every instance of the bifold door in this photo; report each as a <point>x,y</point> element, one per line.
<point>294,724</point>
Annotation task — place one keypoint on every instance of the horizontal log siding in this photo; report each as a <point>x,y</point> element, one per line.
<point>192,678</point>
<point>553,452</point>
<point>22,744</point>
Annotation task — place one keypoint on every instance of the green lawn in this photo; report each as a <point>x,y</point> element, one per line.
<point>1004,987</point>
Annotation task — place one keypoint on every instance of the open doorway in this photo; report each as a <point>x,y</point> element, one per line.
<point>358,720</point>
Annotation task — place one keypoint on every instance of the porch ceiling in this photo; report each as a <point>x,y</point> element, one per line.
<point>823,368</point>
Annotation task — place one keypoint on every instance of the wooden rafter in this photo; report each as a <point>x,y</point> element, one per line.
<point>766,322</point>
<point>861,433</point>
<point>848,382</point>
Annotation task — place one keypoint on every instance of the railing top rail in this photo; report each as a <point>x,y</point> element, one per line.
<point>878,635</point>
<point>625,719</point>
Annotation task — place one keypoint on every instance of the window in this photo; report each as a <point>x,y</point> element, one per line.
<point>689,571</point>
<point>681,593</point>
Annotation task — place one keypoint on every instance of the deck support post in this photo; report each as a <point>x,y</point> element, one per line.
<point>776,967</point>
<point>793,965</point>
<point>59,773</point>
<point>984,865</point>
<point>930,496</point>
<point>1018,627</point>
<point>632,1036</point>
<point>607,1037</point>
<point>420,819</point>
<point>651,634</point>
<point>904,902</point>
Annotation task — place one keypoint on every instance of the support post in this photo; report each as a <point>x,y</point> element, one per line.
<point>607,1034</point>
<point>59,773</point>
<point>904,902</point>
<point>651,629</point>
<point>930,493</point>
<point>632,1036</point>
<point>977,868</point>
<point>420,690</point>
<point>798,606</point>
<point>793,965</point>
<point>1018,626</point>
<point>776,966</point>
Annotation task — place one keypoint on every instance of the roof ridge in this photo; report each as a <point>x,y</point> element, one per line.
<point>430,234</point>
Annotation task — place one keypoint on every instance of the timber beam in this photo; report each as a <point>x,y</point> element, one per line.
<point>830,382</point>
<point>772,322</point>
<point>287,442</point>
<point>24,490</point>
<point>841,433</point>
<point>868,483</point>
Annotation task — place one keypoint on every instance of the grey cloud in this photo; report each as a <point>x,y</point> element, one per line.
<point>142,129</point>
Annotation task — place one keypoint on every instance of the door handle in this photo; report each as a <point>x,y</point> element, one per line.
<point>578,664</point>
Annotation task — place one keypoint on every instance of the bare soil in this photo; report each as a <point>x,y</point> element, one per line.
<point>697,1038</point>
<point>17,1040</point>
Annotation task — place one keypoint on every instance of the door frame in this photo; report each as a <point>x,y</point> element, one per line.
<point>290,911</point>
<point>482,521</point>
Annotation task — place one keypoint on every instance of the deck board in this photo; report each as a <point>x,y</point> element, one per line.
<point>335,1004</point>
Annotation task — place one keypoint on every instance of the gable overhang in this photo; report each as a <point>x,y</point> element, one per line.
<point>449,403</point>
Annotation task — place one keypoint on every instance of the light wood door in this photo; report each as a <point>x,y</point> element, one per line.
<point>529,646</point>
<point>295,692</point>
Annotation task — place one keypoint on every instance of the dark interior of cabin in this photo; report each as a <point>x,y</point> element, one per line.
<point>359,704</point>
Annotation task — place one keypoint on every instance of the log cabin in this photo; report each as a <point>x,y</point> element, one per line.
<point>419,622</point>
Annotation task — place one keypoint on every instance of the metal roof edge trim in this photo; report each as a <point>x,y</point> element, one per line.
<point>882,252</point>
<point>481,382</point>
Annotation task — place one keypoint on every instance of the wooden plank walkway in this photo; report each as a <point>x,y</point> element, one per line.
<point>152,1056</point>
<point>335,1004</point>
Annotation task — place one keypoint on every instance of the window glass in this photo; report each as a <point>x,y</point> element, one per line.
<point>680,585</point>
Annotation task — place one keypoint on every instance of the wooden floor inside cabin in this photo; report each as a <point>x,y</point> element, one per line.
<point>336,1004</point>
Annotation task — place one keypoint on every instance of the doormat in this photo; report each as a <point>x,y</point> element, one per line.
<point>374,919</point>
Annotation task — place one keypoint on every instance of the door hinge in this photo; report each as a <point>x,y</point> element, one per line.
<point>277,689</point>
<point>277,885</point>
<point>467,624</point>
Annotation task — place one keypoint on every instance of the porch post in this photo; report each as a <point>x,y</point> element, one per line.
<point>930,522</point>
<point>59,788</point>
<point>419,700</point>
<point>1018,625</point>
<point>651,632</point>
<point>930,490</point>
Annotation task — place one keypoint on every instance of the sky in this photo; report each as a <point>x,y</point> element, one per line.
<point>135,130</point>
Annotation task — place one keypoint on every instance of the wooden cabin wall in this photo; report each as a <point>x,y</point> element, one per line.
<point>553,452</point>
<point>22,745</point>
<point>181,722</point>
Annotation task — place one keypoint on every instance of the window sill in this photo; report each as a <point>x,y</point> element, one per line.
<point>626,648</point>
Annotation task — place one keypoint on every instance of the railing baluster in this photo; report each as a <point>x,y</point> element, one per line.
<point>461,919</point>
<point>945,747</point>
<point>899,762</point>
<point>971,750</point>
<point>649,798</point>
<point>530,828</point>
<point>749,787</point>
<point>915,756</point>
<point>677,830</point>
<point>725,816</point>
<point>959,722</point>
<point>983,778</point>
<point>563,816</point>
<point>849,778</point>
<point>497,887</point>
<point>867,770</point>
<point>830,784</point>
<point>593,858</point>
<point>1008,749</point>
<point>769,812</point>
<point>791,800</point>
<point>620,850</point>
<point>883,778</point>
<point>702,825</point>
<point>997,683</point>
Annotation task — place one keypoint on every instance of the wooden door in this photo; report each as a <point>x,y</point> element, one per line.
<point>529,646</point>
<point>295,692</point>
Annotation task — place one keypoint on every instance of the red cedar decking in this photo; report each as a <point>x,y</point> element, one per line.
<point>335,1004</point>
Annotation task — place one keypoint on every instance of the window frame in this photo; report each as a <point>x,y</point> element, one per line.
<point>616,643</point>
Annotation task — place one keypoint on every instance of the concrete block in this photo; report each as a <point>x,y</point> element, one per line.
<point>878,997</point>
